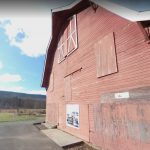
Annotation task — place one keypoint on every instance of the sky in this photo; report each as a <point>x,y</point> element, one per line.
<point>23,43</point>
<point>25,31</point>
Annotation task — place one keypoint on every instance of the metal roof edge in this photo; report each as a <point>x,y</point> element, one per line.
<point>122,11</point>
<point>69,6</point>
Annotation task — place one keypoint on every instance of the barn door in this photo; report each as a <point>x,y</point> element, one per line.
<point>68,88</point>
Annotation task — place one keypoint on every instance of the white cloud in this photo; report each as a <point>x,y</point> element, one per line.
<point>21,89</point>
<point>1,65</point>
<point>42,92</point>
<point>30,34</point>
<point>13,88</point>
<point>10,78</point>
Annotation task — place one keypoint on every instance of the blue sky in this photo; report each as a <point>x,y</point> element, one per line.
<point>22,52</point>
<point>25,31</point>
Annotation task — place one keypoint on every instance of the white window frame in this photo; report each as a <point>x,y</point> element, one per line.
<point>71,35</point>
<point>68,40</point>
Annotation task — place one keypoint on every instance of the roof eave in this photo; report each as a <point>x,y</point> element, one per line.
<point>123,12</point>
<point>70,6</point>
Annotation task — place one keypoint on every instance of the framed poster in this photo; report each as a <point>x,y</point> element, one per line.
<point>72,115</point>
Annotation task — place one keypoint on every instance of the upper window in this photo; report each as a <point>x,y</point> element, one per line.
<point>68,39</point>
<point>106,62</point>
<point>146,25</point>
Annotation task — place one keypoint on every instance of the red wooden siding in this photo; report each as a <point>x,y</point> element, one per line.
<point>122,126</point>
<point>52,113</point>
<point>132,53</point>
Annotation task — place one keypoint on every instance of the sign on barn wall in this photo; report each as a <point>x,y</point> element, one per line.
<point>122,95</point>
<point>72,115</point>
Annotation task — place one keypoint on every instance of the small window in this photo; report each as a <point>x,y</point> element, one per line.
<point>146,26</point>
<point>68,39</point>
<point>106,62</point>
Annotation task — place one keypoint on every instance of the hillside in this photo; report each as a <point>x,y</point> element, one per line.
<point>7,94</point>
<point>11,100</point>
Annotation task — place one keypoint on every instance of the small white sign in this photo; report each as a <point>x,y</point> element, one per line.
<point>122,95</point>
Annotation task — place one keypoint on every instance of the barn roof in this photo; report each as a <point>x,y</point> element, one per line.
<point>134,10</point>
<point>136,5</point>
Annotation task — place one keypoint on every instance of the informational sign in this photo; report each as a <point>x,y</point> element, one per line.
<point>72,115</point>
<point>122,95</point>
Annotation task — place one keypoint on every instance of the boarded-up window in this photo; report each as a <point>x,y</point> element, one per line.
<point>51,84</point>
<point>68,39</point>
<point>68,89</point>
<point>106,56</point>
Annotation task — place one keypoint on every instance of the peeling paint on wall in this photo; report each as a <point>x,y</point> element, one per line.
<point>121,121</point>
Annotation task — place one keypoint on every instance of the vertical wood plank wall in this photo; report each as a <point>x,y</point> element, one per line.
<point>133,60</point>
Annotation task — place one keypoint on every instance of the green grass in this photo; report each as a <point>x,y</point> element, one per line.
<point>8,117</point>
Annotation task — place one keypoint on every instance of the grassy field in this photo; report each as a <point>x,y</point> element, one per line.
<point>7,117</point>
<point>24,111</point>
<point>22,115</point>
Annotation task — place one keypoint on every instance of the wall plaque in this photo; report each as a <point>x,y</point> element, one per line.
<point>122,95</point>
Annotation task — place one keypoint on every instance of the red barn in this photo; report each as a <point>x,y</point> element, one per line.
<point>97,74</point>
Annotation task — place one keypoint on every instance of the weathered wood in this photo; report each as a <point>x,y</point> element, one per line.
<point>106,61</point>
<point>133,63</point>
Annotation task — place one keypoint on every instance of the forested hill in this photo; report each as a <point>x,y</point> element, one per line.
<point>6,94</point>
<point>22,100</point>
